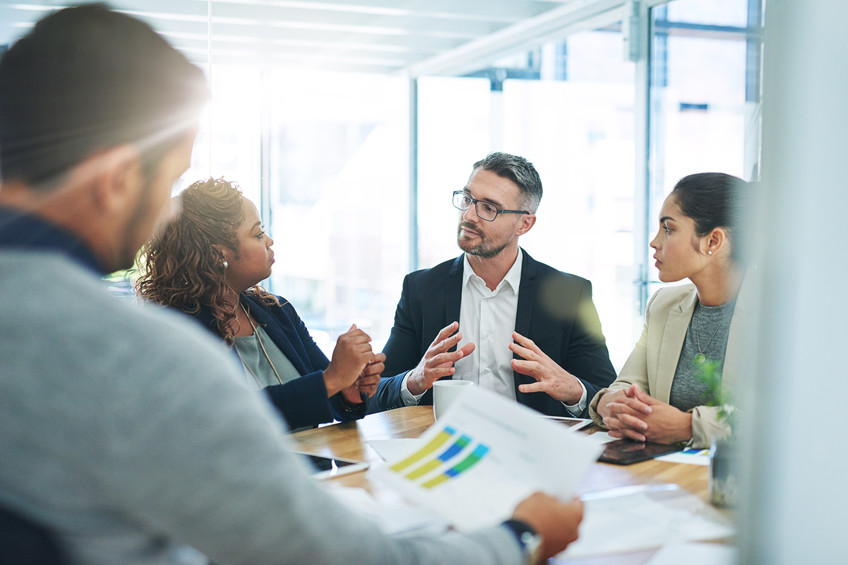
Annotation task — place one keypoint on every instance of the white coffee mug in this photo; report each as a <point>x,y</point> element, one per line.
<point>445,392</point>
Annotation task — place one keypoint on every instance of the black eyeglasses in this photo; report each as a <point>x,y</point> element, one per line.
<point>463,201</point>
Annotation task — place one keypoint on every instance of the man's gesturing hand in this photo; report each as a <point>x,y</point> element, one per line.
<point>550,377</point>
<point>438,361</point>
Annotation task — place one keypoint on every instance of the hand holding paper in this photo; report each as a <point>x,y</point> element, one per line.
<point>556,522</point>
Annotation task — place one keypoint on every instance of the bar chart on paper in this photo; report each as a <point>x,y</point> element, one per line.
<point>486,455</point>
<point>455,474</point>
<point>447,456</point>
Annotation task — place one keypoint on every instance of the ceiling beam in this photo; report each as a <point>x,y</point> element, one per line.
<point>558,23</point>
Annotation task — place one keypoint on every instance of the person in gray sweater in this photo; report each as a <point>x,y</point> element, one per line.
<point>125,430</point>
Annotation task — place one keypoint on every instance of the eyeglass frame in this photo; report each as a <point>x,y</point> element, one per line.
<point>474,203</point>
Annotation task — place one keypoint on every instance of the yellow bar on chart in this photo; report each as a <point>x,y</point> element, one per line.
<point>434,444</point>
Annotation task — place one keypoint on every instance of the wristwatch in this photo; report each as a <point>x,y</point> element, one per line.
<point>528,539</point>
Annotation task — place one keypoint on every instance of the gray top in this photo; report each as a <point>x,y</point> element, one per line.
<point>258,368</point>
<point>128,429</point>
<point>707,335</point>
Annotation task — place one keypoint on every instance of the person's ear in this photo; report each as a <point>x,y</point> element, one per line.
<point>527,222</point>
<point>117,179</point>
<point>224,252</point>
<point>715,241</point>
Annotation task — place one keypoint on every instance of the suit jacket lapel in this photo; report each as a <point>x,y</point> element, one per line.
<point>524,315</point>
<point>526,295</point>
<point>284,337</point>
<point>453,293</point>
<point>671,345</point>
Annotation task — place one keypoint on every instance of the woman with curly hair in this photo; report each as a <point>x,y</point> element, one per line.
<point>208,262</point>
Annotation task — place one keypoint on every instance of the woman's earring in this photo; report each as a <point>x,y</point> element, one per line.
<point>227,265</point>
<point>710,252</point>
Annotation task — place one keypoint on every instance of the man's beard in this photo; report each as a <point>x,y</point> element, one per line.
<point>482,249</point>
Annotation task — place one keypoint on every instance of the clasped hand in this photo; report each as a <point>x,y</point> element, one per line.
<point>632,413</point>
<point>354,367</point>
<point>368,379</point>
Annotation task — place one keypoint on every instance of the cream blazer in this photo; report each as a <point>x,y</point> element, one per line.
<point>653,362</point>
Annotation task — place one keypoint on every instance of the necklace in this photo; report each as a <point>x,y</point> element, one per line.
<point>261,346</point>
<point>701,358</point>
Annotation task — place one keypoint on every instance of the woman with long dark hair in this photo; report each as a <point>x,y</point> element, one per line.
<point>661,394</point>
<point>208,263</point>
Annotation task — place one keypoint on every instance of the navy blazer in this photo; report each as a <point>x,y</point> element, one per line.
<point>555,310</point>
<point>302,402</point>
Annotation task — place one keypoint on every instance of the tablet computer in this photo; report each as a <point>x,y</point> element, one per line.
<point>625,451</point>
<point>573,423</point>
<point>326,467</point>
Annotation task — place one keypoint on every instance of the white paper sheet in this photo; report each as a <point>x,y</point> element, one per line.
<point>393,449</point>
<point>390,518</point>
<point>645,519</point>
<point>485,455</point>
<point>695,554</point>
<point>688,456</point>
<point>601,437</point>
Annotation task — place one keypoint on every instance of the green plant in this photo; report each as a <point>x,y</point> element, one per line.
<point>724,481</point>
<point>717,394</point>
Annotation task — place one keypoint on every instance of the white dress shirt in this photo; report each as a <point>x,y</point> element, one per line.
<point>487,319</point>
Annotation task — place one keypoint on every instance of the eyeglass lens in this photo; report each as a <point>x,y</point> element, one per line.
<point>485,211</point>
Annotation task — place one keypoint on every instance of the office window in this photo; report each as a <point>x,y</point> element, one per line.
<point>710,13</point>
<point>705,103</point>
<point>454,122</point>
<point>338,178</point>
<point>229,139</point>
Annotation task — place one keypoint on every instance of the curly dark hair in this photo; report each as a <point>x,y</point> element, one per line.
<point>181,267</point>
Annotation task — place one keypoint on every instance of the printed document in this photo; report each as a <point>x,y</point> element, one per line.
<point>486,454</point>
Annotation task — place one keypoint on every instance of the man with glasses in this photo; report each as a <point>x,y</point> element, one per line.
<point>494,315</point>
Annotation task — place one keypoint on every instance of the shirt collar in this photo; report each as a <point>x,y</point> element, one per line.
<point>26,231</point>
<point>512,277</point>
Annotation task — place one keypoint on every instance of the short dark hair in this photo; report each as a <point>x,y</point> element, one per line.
<point>520,171</point>
<point>85,79</point>
<point>714,200</point>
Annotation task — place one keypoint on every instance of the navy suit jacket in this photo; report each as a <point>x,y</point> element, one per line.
<point>303,401</point>
<point>555,310</point>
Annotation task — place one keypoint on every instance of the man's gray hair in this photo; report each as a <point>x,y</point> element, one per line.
<point>520,171</point>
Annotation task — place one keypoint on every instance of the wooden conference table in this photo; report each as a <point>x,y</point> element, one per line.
<point>348,440</point>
